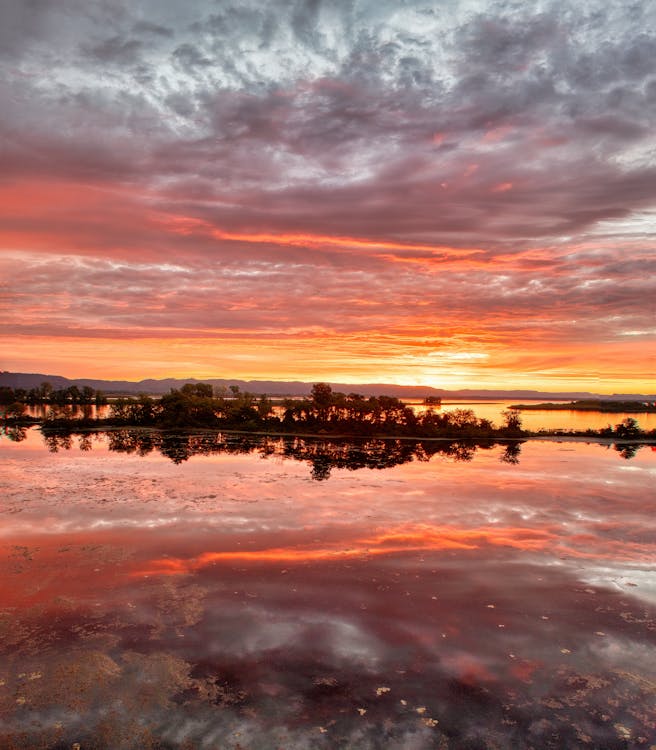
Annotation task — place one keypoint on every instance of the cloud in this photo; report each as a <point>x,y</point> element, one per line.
<point>149,27</point>
<point>497,128</point>
<point>115,51</point>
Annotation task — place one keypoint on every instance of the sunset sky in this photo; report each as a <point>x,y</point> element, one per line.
<point>455,194</point>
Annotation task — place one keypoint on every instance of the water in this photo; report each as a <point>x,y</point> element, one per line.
<point>232,600</point>
<point>81,411</point>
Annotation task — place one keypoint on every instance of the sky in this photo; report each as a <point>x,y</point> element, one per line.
<point>456,194</point>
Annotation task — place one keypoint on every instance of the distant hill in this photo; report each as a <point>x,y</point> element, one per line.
<point>299,388</point>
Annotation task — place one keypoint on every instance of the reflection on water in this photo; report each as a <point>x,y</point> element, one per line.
<point>323,455</point>
<point>14,433</point>
<point>69,411</point>
<point>229,601</point>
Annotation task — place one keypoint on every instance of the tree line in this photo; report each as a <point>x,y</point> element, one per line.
<point>14,400</point>
<point>324,412</point>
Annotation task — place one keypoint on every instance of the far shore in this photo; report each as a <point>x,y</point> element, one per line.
<point>592,405</point>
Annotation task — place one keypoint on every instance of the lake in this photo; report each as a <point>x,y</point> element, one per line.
<point>203,591</point>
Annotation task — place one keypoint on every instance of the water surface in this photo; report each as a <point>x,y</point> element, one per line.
<point>232,600</point>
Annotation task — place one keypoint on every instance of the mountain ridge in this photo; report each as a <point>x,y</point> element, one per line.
<point>299,388</point>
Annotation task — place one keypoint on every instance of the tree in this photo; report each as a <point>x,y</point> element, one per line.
<point>87,394</point>
<point>73,392</point>
<point>463,419</point>
<point>322,397</point>
<point>145,409</point>
<point>202,390</point>
<point>321,394</point>
<point>264,406</point>
<point>59,397</point>
<point>7,395</point>
<point>121,409</point>
<point>513,421</point>
<point>629,428</point>
<point>45,390</point>
<point>185,408</point>
<point>15,410</point>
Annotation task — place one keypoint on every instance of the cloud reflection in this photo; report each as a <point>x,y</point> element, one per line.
<point>424,538</point>
<point>434,603</point>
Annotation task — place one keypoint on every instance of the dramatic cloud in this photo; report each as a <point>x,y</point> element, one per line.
<point>347,188</point>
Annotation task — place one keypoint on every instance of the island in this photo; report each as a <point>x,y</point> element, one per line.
<point>326,413</point>
<point>599,405</point>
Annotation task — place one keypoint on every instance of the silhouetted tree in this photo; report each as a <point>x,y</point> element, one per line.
<point>513,421</point>
<point>321,399</point>
<point>628,428</point>
<point>87,395</point>
<point>15,410</point>
<point>202,390</point>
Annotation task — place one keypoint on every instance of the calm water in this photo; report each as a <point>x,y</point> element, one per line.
<point>214,596</point>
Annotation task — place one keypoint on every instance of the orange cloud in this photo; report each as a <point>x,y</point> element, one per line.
<point>92,292</point>
<point>189,225</point>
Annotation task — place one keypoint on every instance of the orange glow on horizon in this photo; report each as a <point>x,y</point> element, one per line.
<point>94,294</point>
<point>373,357</point>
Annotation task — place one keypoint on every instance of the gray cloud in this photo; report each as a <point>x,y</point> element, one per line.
<point>152,28</point>
<point>116,50</point>
<point>369,109</point>
<point>498,127</point>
